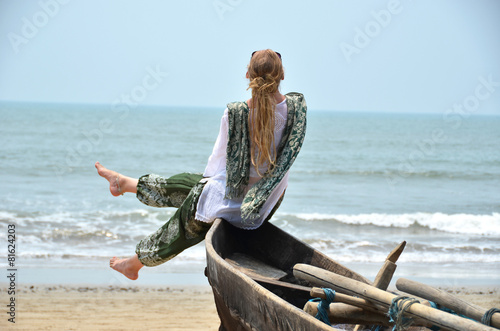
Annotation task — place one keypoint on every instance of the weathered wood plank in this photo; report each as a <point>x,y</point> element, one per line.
<point>241,302</point>
<point>384,276</point>
<point>341,313</point>
<point>396,252</point>
<point>342,284</point>
<point>252,267</point>
<point>347,299</point>
<point>445,299</point>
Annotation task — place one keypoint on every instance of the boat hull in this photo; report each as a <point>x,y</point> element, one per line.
<point>245,304</point>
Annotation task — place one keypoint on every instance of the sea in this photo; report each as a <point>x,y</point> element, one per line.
<point>363,183</point>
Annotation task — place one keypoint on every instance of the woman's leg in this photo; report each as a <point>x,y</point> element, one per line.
<point>118,184</point>
<point>180,232</point>
<point>159,191</point>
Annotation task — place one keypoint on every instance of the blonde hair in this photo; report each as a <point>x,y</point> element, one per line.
<point>265,72</point>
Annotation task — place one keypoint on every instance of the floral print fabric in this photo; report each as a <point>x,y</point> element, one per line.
<point>181,191</point>
<point>238,154</point>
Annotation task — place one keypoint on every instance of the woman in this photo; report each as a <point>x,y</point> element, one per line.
<point>244,180</point>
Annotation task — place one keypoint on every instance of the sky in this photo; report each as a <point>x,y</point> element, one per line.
<point>392,56</point>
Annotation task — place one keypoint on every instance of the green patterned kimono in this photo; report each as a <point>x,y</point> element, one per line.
<point>183,191</point>
<point>238,154</point>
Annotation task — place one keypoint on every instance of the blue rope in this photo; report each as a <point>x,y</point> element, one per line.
<point>488,315</point>
<point>448,310</point>
<point>324,305</point>
<point>396,312</point>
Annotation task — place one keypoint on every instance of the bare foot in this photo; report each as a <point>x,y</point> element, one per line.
<point>111,176</point>
<point>128,267</point>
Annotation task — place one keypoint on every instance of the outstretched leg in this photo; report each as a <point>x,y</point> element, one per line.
<point>182,230</point>
<point>118,184</point>
<point>128,267</point>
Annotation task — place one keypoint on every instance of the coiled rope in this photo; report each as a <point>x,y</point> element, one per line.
<point>324,305</point>
<point>398,307</point>
<point>488,315</point>
<point>486,319</point>
<point>446,310</point>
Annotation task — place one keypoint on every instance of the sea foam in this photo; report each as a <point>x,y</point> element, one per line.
<point>485,225</point>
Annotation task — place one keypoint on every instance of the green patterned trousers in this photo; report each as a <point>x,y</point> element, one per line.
<point>182,230</point>
<point>181,191</point>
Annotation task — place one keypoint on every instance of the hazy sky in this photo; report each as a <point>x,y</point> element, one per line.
<point>398,56</point>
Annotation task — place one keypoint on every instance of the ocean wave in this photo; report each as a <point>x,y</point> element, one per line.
<point>412,257</point>
<point>113,223</point>
<point>371,251</point>
<point>403,172</point>
<point>343,252</point>
<point>92,220</point>
<point>484,225</point>
<point>365,238</point>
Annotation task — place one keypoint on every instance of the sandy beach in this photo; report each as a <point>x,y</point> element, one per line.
<point>68,307</point>
<point>73,307</point>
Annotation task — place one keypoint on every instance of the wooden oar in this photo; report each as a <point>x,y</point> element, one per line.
<point>348,309</point>
<point>316,292</point>
<point>341,313</point>
<point>342,284</point>
<point>384,276</point>
<point>445,299</point>
<point>339,297</point>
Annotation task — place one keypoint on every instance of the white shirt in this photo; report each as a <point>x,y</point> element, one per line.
<point>212,203</point>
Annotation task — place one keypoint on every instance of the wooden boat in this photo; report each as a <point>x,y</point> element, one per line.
<point>251,274</point>
<point>261,280</point>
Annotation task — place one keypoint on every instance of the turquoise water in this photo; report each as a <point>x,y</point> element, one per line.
<point>362,183</point>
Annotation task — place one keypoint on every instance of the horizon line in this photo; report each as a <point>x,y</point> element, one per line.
<point>144,106</point>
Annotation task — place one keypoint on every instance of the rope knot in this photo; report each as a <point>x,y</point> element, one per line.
<point>398,307</point>
<point>486,320</point>
<point>324,305</point>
